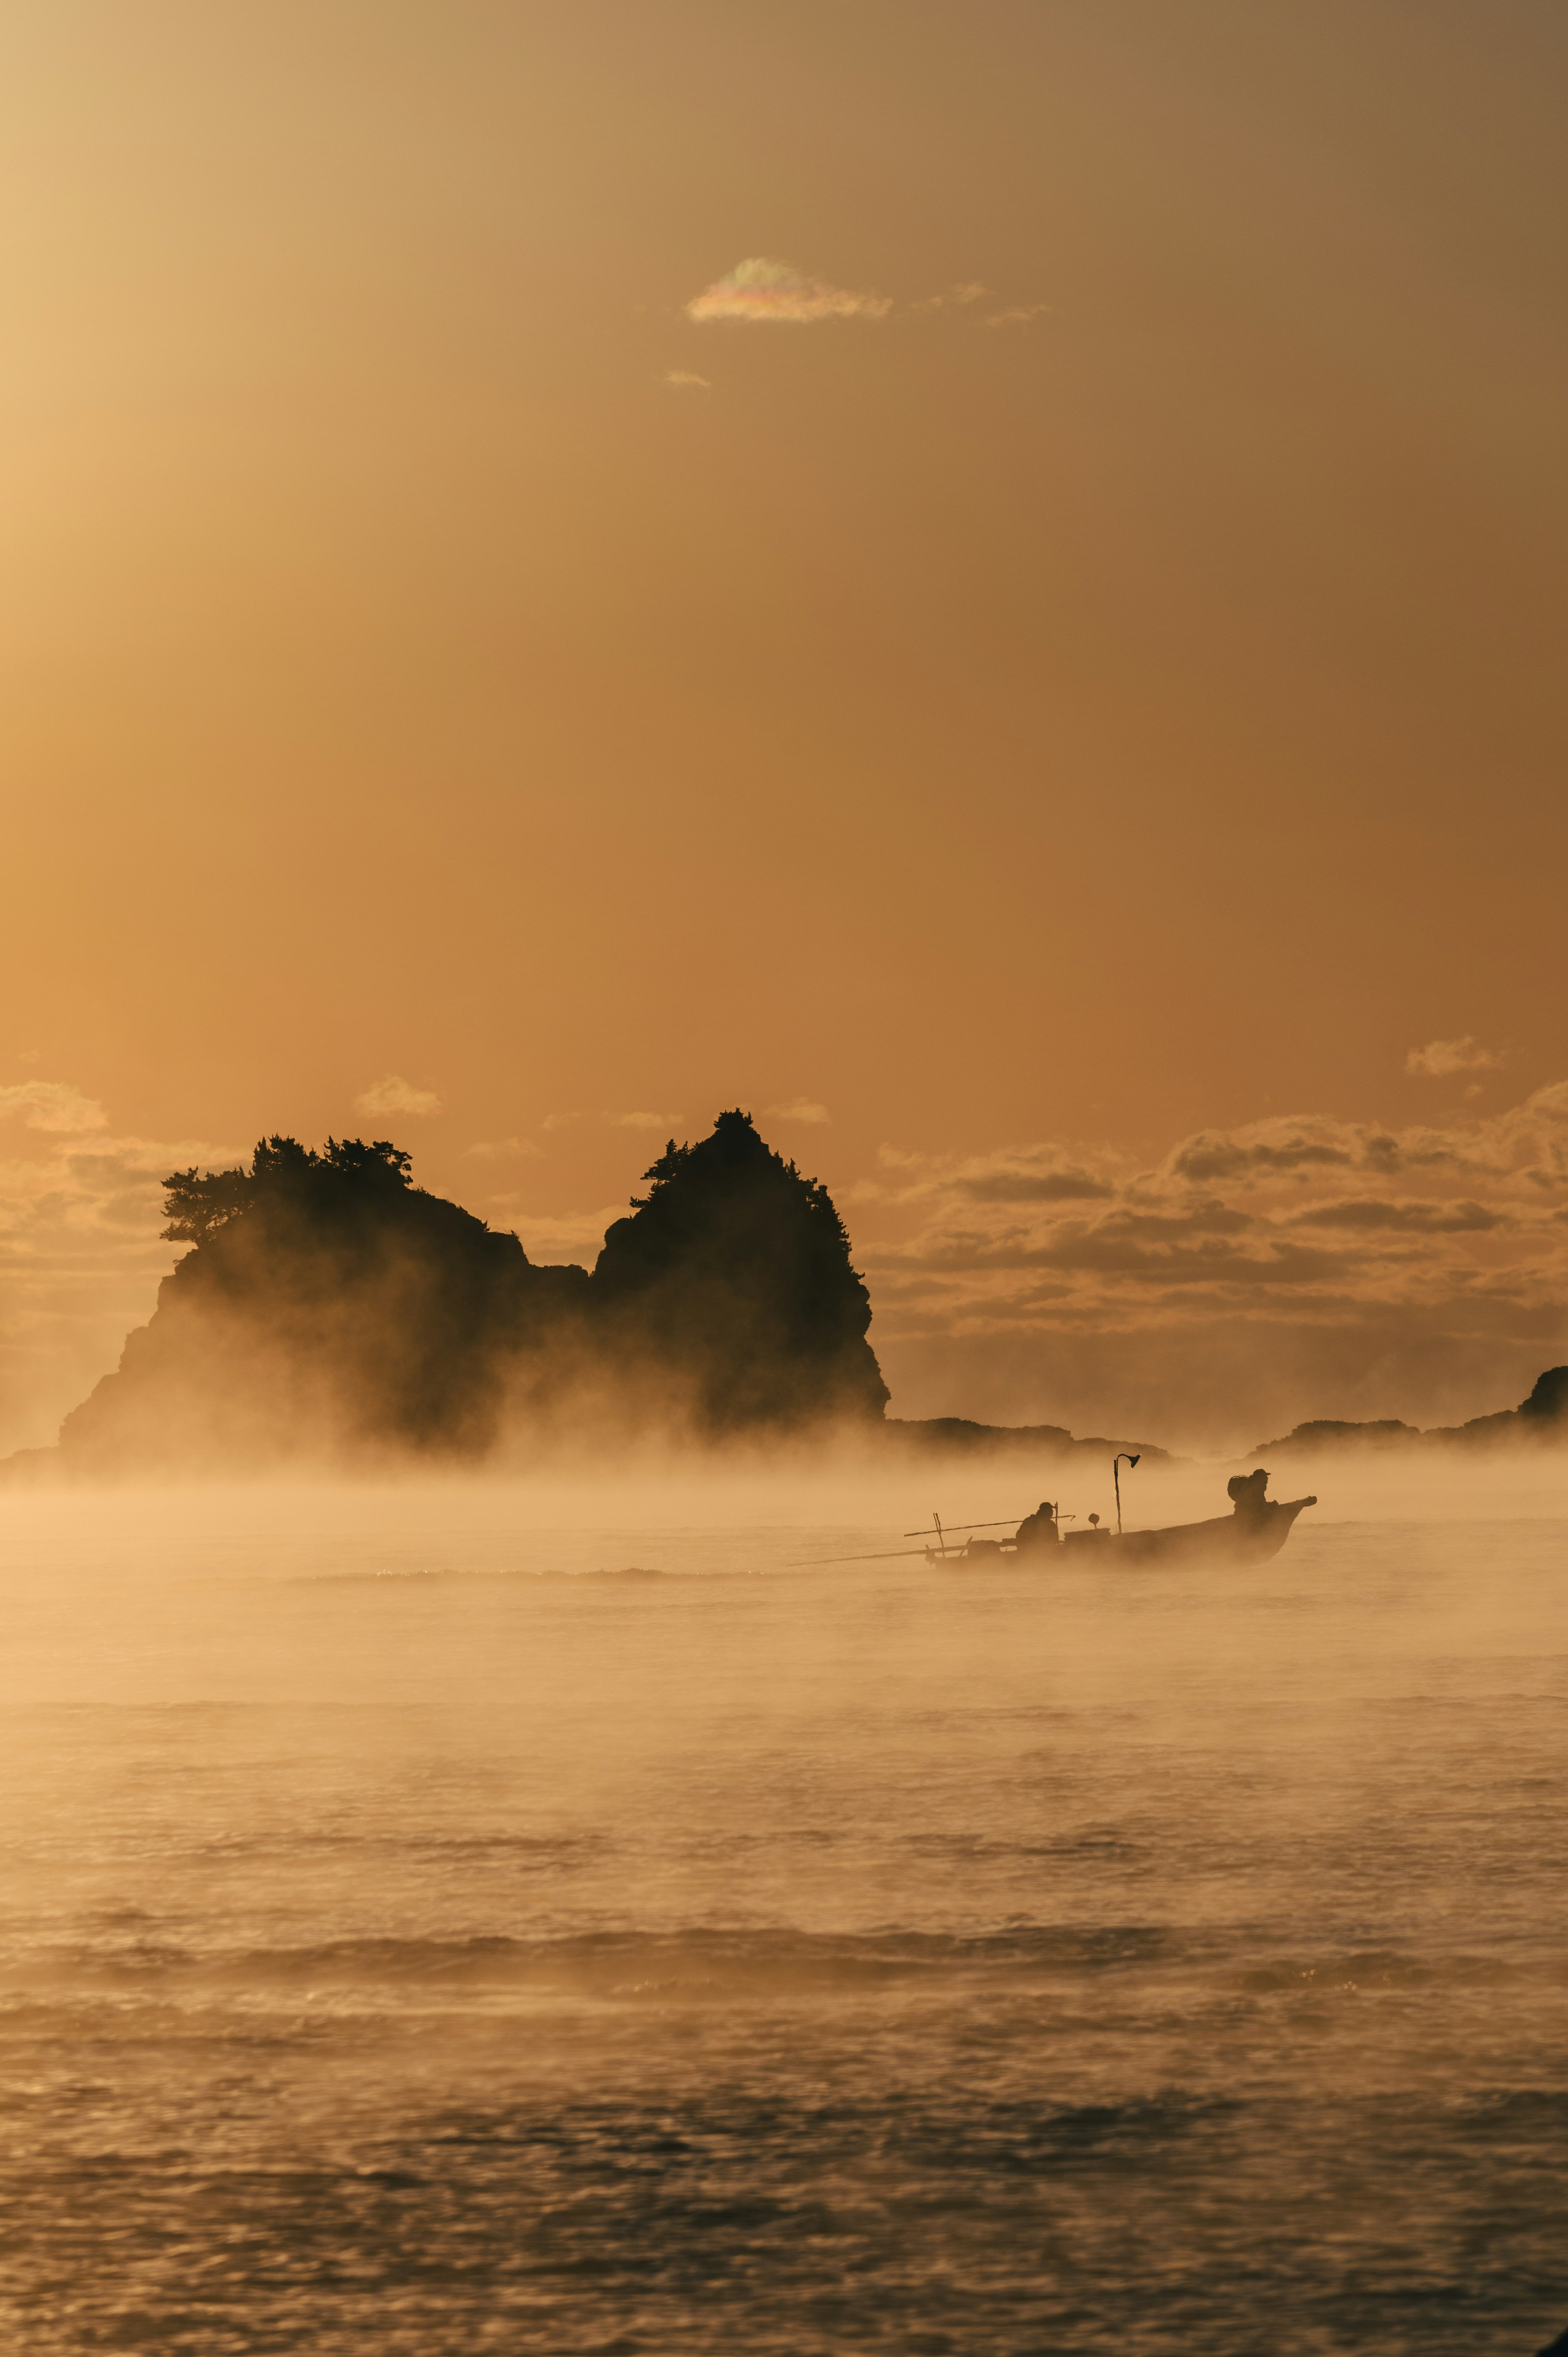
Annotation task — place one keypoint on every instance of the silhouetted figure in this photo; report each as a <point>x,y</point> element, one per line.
<point>1038,1530</point>
<point>1249,1492</point>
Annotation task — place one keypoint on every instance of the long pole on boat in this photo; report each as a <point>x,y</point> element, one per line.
<point>1002,1521</point>
<point>1116,1464</point>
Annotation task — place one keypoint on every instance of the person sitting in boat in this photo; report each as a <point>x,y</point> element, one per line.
<point>1249,1492</point>
<point>1038,1529</point>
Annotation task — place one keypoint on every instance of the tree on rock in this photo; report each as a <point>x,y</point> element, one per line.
<point>732,1282</point>
<point>330,1309</point>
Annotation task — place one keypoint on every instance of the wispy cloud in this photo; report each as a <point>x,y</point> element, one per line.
<point>764,289</point>
<point>1015,1174</point>
<point>559,1120</point>
<point>52,1104</point>
<point>504,1149</point>
<point>797,1109</point>
<point>394,1094</point>
<point>686,378</point>
<point>1441,1058</point>
<point>1069,1184</point>
<point>1353,1211</point>
<point>667,1122</point>
<point>970,291</point>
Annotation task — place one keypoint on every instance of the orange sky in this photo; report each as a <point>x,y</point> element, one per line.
<point>1050,720</point>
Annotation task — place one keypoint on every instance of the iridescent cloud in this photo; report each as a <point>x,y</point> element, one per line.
<point>762,289</point>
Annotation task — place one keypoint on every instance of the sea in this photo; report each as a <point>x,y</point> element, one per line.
<point>585,1915</point>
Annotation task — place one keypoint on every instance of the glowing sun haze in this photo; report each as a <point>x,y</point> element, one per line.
<point>996,570</point>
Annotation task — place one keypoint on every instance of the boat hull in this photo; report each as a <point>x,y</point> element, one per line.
<point>1255,1537</point>
<point>1239,1539</point>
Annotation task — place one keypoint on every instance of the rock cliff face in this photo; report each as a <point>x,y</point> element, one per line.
<point>330,1309</point>
<point>1545,1412</point>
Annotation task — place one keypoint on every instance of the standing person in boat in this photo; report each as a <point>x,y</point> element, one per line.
<point>1248,1493</point>
<point>1038,1530</point>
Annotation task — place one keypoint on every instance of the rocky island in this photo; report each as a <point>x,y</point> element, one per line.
<point>330,1309</point>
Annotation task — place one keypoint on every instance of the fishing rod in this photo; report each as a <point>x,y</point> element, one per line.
<point>906,1554</point>
<point>903,1554</point>
<point>888,1555</point>
<point>941,1532</point>
<point>996,1525</point>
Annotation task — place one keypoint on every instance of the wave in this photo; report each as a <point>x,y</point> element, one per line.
<point>693,1964</point>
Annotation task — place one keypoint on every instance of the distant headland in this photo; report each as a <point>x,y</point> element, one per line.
<point>330,1311</point>
<point>1542,1418</point>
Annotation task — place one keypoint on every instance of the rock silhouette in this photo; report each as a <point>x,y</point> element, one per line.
<point>329,1304</point>
<point>955,1436</point>
<point>733,1277</point>
<point>1546,1409</point>
<point>330,1307</point>
<point>1540,1418</point>
<point>331,1310</point>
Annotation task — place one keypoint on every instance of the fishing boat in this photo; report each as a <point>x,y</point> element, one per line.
<point>1253,1532</point>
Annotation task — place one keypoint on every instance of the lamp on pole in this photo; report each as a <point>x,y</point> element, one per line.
<point>1123,1458</point>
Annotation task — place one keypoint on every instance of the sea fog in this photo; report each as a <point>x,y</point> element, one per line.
<point>575,1915</point>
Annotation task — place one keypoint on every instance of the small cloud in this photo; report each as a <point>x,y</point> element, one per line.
<point>1018,315</point>
<point>971,292</point>
<point>761,289</point>
<point>559,1120</point>
<point>667,1122</point>
<point>52,1104</point>
<point>685,377</point>
<point>504,1149</point>
<point>30,1055</point>
<point>1440,1058</point>
<point>394,1094</point>
<point>798,1109</point>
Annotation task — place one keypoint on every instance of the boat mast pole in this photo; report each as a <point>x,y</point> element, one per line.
<point>1116,1465</point>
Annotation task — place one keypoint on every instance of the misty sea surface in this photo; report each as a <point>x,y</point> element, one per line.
<point>547,1918</point>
